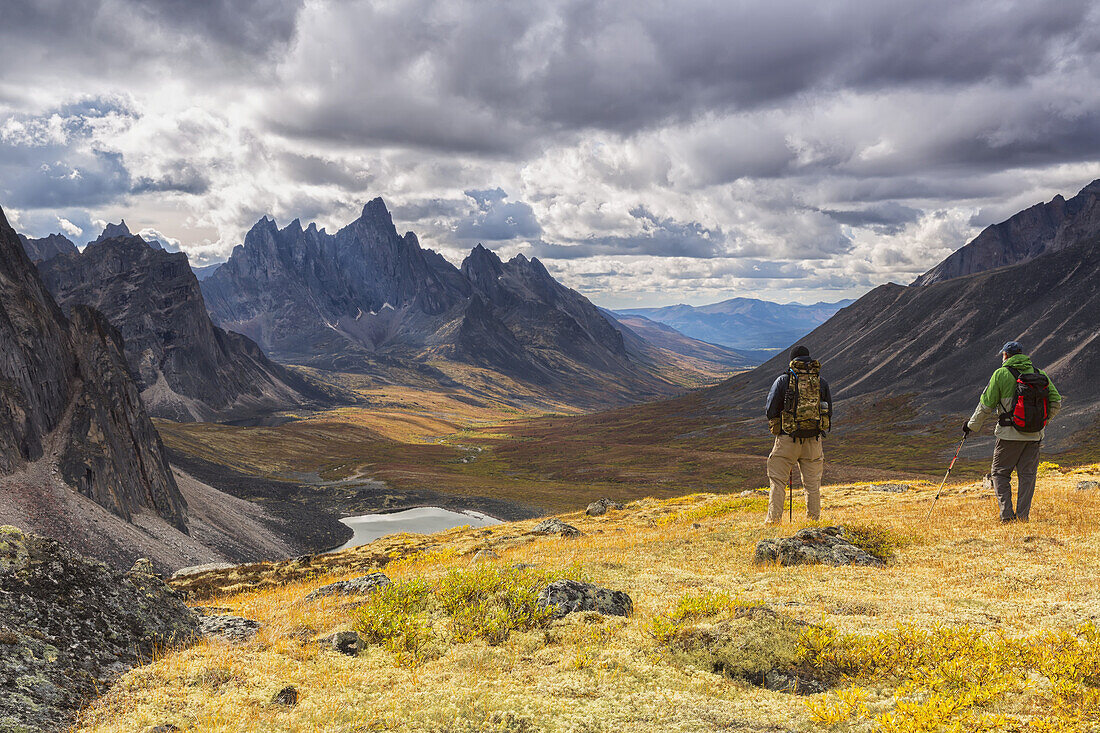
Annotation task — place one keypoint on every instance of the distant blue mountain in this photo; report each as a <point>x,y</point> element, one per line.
<point>743,323</point>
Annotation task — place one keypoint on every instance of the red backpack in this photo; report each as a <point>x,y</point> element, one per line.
<point>1031,406</point>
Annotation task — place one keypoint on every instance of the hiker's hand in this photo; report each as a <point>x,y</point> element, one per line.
<point>776,425</point>
<point>966,428</point>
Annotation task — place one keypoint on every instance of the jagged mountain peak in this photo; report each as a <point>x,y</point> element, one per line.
<point>114,230</point>
<point>375,209</point>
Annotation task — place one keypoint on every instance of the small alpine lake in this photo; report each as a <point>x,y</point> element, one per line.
<point>422,520</point>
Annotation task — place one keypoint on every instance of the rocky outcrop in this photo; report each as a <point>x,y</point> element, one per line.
<point>187,368</point>
<point>814,546</point>
<point>69,626</point>
<point>564,597</point>
<point>64,387</point>
<point>47,247</point>
<point>1043,228</point>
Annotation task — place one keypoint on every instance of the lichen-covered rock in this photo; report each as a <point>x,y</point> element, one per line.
<point>813,546</point>
<point>233,629</point>
<point>485,555</point>
<point>71,625</point>
<point>556,526</point>
<point>889,488</point>
<point>1088,485</point>
<point>602,506</point>
<point>571,596</point>
<point>360,586</point>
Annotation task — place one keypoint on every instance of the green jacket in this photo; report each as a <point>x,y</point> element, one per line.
<point>1001,393</point>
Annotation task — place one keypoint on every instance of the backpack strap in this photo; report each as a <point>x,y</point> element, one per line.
<point>1013,371</point>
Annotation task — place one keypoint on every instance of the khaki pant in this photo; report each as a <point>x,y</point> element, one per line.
<point>1023,456</point>
<point>808,455</point>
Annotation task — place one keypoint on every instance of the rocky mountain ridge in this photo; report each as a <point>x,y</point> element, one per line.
<point>65,394</point>
<point>368,299</point>
<point>1044,227</point>
<point>187,368</point>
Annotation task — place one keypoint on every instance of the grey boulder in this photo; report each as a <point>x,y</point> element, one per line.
<point>556,526</point>
<point>602,506</point>
<point>571,596</point>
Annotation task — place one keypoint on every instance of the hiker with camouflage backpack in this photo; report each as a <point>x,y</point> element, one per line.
<point>1026,401</point>
<point>799,414</point>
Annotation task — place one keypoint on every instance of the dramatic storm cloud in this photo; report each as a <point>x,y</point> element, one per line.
<point>647,152</point>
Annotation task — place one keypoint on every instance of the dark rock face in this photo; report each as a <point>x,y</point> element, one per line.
<point>1048,227</point>
<point>814,546</point>
<point>47,247</point>
<point>367,299</point>
<point>572,596</point>
<point>69,626</point>
<point>187,368</point>
<point>64,383</point>
<point>114,455</point>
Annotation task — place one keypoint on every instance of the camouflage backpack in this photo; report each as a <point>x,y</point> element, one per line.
<point>803,413</point>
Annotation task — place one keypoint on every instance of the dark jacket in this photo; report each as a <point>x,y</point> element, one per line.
<point>778,393</point>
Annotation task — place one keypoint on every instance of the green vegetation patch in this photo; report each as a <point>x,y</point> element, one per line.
<point>961,679</point>
<point>877,540</point>
<point>416,620</point>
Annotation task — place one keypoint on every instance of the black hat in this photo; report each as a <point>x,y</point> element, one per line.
<point>799,351</point>
<point>1012,348</point>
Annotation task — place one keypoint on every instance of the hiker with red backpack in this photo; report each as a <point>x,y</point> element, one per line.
<point>799,411</point>
<point>1026,401</point>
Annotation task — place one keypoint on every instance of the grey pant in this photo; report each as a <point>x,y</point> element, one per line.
<point>1023,456</point>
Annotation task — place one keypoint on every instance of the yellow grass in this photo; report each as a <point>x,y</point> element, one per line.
<point>960,569</point>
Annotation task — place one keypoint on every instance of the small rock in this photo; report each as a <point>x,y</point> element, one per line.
<point>360,586</point>
<point>752,492</point>
<point>523,566</point>
<point>696,525</point>
<point>1088,485</point>
<point>166,728</point>
<point>890,488</point>
<point>346,642</point>
<point>485,555</point>
<point>143,566</point>
<point>571,596</point>
<point>556,526</point>
<point>286,696</point>
<point>811,546</point>
<point>233,629</point>
<point>304,560</point>
<point>601,507</point>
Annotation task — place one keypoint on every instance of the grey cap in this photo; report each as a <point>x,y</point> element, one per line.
<point>1011,348</point>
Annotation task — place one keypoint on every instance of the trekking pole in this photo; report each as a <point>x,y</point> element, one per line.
<point>965,436</point>
<point>790,486</point>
